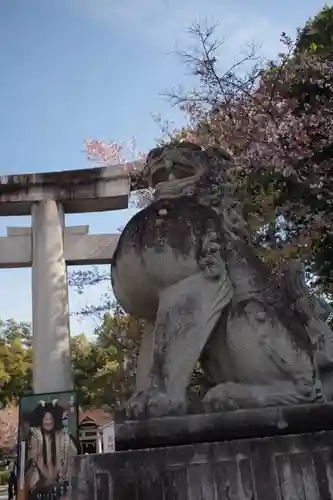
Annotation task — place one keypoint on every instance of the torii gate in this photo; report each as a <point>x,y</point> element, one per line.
<point>48,247</point>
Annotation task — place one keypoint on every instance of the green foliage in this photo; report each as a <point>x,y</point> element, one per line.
<point>119,335</point>
<point>317,34</point>
<point>104,369</point>
<point>103,366</point>
<point>15,360</point>
<point>4,474</point>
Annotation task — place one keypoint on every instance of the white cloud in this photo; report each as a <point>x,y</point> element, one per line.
<point>163,23</point>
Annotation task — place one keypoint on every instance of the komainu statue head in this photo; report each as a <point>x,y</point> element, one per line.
<point>179,168</point>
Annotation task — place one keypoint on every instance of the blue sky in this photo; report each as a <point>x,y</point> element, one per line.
<point>77,69</point>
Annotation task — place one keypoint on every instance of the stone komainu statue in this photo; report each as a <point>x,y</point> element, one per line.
<point>186,265</point>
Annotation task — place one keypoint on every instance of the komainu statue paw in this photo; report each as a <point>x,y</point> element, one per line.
<point>152,404</point>
<point>232,396</point>
<point>228,397</point>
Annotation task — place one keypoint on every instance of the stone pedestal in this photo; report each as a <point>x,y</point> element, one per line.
<point>50,319</point>
<point>271,454</point>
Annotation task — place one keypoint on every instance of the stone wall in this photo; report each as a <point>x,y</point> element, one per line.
<point>293,467</point>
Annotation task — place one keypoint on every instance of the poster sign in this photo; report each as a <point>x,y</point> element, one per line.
<point>109,444</point>
<point>48,437</point>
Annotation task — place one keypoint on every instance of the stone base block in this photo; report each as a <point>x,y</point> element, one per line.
<point>296,466</point>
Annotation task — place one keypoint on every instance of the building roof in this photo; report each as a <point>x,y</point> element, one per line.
<point>96,415</point>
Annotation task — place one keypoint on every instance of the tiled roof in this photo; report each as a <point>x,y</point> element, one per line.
<point>99,416</point>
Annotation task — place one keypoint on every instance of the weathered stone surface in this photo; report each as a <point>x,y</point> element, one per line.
<point>227,426</point>
<point>88,190</point>
<point>187,266</point>
<point>52,370</point>
<point>276,468</point>
<point>80,248</point>
<point>27,231</point>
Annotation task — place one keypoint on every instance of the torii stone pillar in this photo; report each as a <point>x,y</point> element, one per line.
<point>50,314</point>
<point>48,247</point>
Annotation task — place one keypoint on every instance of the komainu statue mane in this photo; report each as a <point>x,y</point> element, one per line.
<point>186,265</point>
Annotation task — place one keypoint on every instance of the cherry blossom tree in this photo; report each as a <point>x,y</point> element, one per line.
<point>112,153</point>
<point>104,153</point>
<point>276,120</point>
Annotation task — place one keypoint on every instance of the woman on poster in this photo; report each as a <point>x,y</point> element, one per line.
<point>50,447</point>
